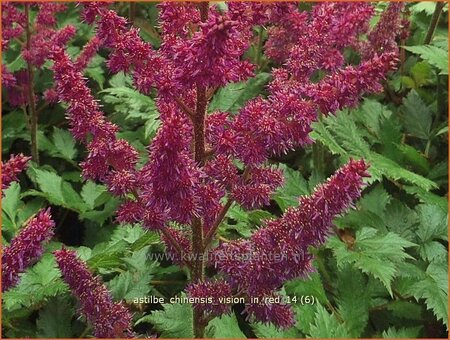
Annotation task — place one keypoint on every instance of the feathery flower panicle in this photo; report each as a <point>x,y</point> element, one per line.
<point>110,319</point>
<point>47,13</point>
<point>26,248</point>
<point>214,291</point>
<point>273,126</point>
<point>13,22</point>
<point>171,177</point>
<point>213,56</point>
<point>12,168</point>
<point>279,251</point>
<point>382,38</point>
<point>106,152</point>
<point>345,87</point>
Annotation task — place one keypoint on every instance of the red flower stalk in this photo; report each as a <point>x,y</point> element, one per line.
<point>110,319</point>
<point>279,251</point>
<point>26,248</point>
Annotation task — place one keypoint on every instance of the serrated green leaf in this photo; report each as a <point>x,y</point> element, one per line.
<point>91,193</point>
<point>42,279</point>
<point>427,197</point>
<point>311,286</point>
<point>224,327</point>
<point>294,186</point>
<point>355,312</point>
<point>326,325</point>
<point>434,289</point>
<point>434,55</point>
<point>414,157</point>
<point>64,143</point>
<point>269,331</point>
<point>57,191</point>
<point>407,333</point>
<point>55,320</point>
<point>11,202</point>
<point>433,223</point>
<point>175,321</point>
<point>418,116</point>
<point>233,96</point>
<point>373,253</point>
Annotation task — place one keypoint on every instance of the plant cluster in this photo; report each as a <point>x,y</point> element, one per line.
<point>208,101</point>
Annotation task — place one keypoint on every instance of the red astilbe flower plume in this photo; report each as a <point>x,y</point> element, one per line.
<point>13,167</point>
<point>26,248</point>
<point>279,251</point>
<point>382,38</point>
<point>110,319</point>
<point>213,56</point>
<point>106,151</point>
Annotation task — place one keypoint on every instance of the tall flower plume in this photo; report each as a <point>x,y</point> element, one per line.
<point>26,248</point>
<point>279,251</point>
<point>110,319</point>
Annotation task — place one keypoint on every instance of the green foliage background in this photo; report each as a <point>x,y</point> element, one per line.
<point>383,272</point>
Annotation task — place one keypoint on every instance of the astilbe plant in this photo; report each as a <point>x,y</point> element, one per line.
<point>193,174</point>
<point>36,38</point>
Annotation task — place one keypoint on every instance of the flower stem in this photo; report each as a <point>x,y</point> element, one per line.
<point>30,93</point>
<point>197,273</point>
<point>434,22</point>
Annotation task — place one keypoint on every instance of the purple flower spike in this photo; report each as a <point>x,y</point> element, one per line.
<point>110,319</point>
<point>26,248</point>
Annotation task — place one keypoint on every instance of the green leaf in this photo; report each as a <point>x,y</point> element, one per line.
<point>436,56</point>
<point>355,312</point>
<point>224,327</point>
<point>418,116</point>
<point>327,326</point>
<point>233,96</point>
<point>91,194</point>
<point>175,321</point>
<point>427,197</point>
<point>434,289</point>
<point>64,143</point>
<point>269,331</point>
<point>43,280</point>
<point>10,203</point>
<point>422,73</point>
<point>131,102</point>
<point>294,187</point>
<point>375,254</point>
<point>312,286</point>
<point>57,191</point>
<point>406,333</point>
<point>414,157</point>
<point>55,319</point>
<point>433,223</point>
<point>341,135</point>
